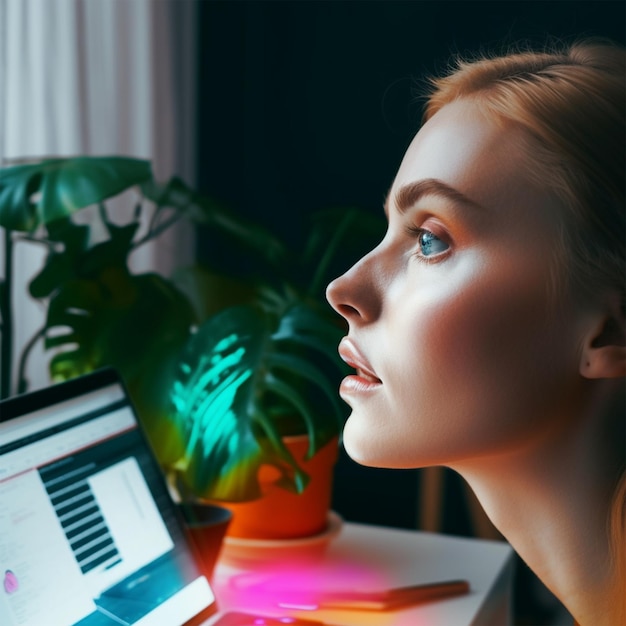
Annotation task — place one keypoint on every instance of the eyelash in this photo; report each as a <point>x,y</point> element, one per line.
<point>416,232</point>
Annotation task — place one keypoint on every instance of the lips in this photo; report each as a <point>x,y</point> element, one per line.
<point>365,378</point>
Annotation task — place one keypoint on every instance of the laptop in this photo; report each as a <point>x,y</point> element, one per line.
<point>89,535</point>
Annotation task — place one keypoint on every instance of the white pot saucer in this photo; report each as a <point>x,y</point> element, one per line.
<point>245,553</point>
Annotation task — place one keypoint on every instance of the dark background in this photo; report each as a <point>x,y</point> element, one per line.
<point>310,104</point>
<point>305,105</point>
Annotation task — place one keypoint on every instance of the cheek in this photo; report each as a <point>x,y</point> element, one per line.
<point>472,366</point>
<point>498,334</point>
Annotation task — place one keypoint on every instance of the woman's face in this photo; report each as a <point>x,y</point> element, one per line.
<point>458,354</point>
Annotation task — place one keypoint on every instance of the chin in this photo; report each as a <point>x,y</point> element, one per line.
<point>360,447</point>
<point>366,449</point>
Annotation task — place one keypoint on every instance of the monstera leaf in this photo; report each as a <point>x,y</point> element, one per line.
<point>75,259</point>
<point>232,375</point>
<point>135,323</point>
<point>35,194</point>
<point>216,399</point>
<point>114,320</point>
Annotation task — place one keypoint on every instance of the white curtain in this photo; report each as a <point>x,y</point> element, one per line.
<point>97,77</point>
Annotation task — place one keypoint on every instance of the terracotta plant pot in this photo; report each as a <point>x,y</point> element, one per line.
<point>281,514</point>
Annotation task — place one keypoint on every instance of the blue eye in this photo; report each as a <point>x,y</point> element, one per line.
<point>430,244</point>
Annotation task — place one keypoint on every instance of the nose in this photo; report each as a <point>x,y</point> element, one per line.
<point>354,294</point>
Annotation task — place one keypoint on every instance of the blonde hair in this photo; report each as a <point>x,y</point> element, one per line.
<point>571,101</point>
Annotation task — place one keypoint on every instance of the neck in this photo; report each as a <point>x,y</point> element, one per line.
<point>551,499</point>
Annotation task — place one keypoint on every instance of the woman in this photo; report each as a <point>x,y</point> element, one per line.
<point>487,328</point>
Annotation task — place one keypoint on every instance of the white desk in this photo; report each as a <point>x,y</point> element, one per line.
<point>371,557</point>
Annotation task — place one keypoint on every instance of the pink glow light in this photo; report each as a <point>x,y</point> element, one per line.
<point>298,586</point>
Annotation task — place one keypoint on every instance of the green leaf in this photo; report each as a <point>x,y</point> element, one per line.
<point>116,321</point>
<point>326,424</point>
<point>337,239</point>
<point>74,237</point>
<point>63,261</point>
<point>58,268</point>
<point>217,401</point>
<point>175,193</point>
<point>137,324</point>
<point>39,193</point>
<point>235,373</point>
<point>77,261</point>
<point>315,328</point>
<point>110,253</point>
<point>289,393</point>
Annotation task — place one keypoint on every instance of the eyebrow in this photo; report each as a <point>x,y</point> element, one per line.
<point>408,195</point>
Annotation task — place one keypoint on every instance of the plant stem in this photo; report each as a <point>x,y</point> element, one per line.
<point>6,313</point>
<point>22,382</point>
<point>155,231</point>
<point>331,249</point>
<point>40,241</point>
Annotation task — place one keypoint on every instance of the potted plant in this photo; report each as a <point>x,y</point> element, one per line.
<point>221,368</point>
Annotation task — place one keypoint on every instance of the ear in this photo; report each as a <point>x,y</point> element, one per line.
<point>604,349</point>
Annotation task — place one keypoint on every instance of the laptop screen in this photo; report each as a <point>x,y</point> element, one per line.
<point>88,533</point>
